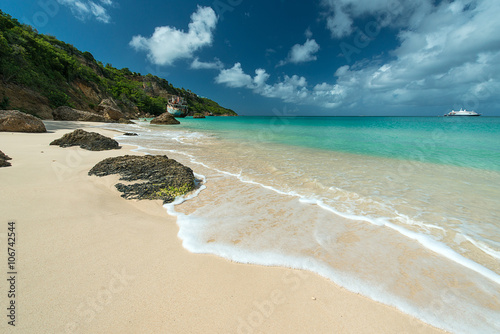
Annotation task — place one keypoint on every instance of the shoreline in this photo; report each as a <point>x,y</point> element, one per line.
<point>93,262</point>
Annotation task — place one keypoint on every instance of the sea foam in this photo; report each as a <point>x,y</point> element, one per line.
<point>192,228</point>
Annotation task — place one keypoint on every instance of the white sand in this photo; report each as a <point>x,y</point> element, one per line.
<point>89,261</point>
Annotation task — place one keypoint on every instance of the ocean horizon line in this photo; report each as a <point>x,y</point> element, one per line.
<point>331,116</point>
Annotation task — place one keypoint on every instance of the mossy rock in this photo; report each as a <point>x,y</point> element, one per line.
<point>156,176</point>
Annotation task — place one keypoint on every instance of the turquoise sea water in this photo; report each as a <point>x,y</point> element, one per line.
<point>469,142</point>
<point>404,210</point>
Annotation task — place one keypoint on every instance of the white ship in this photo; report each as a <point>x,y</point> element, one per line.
<point>462,112</point>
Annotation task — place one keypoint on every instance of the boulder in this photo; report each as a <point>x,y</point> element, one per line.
<point>157,176</point>
<point>112,114</point>
<point>165,118</point>
<point>107,103</point>
<point>130,134</point>
<point>69,114</point>
<point>125,121</point>
<point>110,110</point>
<point>198,115</point>
<point>3,160</point>
<point>16,121</point>
<point>91,141</point>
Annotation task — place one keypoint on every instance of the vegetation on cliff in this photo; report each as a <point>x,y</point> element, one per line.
<point>62,75</point>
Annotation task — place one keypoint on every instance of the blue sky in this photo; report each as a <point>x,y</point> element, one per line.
<point>318,57</point>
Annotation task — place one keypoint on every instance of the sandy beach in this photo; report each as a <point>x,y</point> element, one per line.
<point>89,261</point>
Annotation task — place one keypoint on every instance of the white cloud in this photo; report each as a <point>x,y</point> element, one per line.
<point>197,64</point>
<point>339,23</point>
<point>84,9</point>
<point>447,58</point>
<point>168,44</point>
<point>301,53</point>
<point>290,89</point>
<point>99,12</point>
<point>260,77</point>
<point>451,57</point>
<point>305,52</point>
<point>340,14</point>
<point>234,77</point>
<point>308,33</point>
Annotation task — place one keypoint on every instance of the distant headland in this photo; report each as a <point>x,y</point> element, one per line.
<point>40,73</point>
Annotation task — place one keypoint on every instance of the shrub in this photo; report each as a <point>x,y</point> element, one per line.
<point>5,103</point>
<point>58,99</point>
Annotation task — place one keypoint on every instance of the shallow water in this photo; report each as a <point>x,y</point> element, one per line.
<point>422,234</point>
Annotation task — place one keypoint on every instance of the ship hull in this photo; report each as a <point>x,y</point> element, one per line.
<point>464,115</point>
<point>462,112</point>
<point>176,112</point>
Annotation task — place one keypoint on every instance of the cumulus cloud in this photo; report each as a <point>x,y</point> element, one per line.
<point>340,14</point>
<point>84,9</point>
<point>168,44</point>
<point>305,52</point>
<point>449,57</point>
<point>301,53</point>
<point>308,33</point>
<point>234,77</point>
<point>197,64</point>
<point>290,89</point>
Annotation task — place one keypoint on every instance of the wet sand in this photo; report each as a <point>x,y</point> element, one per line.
<point>89,261</point>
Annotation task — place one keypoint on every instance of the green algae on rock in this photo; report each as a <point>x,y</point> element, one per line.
<point>163,178</point>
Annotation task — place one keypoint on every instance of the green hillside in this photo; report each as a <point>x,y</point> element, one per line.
<point>56,74</point>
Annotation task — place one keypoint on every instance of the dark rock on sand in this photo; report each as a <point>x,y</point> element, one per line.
<point>165,118</point>
<point>130,134</point>
<point>163,178</point>
<point>3,160</point>
<point>70,114</point>
<point>88,140</point>
<point>16,121</point>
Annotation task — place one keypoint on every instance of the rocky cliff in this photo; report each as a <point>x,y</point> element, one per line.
<point>40,73</point>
